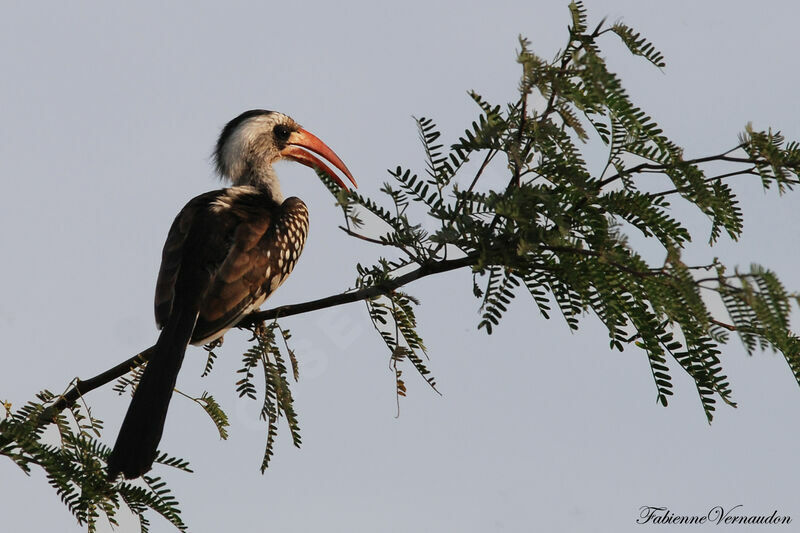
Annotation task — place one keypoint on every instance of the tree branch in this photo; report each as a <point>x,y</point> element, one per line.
<point>361,294</point>
<point>82,387</point>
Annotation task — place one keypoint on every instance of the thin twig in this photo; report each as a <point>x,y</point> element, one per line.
<point>492,152</point>
<point>364,237</point>
<point>707,180</point>
<point>520,131</point>
<point>382,243</point>
<point>462,204</point>
<point>729,327</point>
<point>650,166</point>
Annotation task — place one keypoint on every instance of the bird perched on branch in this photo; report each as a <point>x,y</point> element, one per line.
<point>226,252</point>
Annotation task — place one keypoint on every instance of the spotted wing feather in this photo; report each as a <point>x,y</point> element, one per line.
<point>253,245</point>
<point>263,254</point>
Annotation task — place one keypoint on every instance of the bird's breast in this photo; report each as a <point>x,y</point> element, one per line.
<point>287,242</point>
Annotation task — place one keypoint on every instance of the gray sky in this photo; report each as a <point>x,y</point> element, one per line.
<point>109,114</point>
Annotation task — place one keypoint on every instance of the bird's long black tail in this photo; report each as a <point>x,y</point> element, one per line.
<point>137,442</point>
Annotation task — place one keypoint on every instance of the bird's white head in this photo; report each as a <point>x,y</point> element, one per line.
<point>250,144</point>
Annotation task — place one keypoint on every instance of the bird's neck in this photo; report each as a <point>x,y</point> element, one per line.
<point>264,179</point>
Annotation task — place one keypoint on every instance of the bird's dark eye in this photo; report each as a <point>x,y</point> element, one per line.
<point>282,132</point>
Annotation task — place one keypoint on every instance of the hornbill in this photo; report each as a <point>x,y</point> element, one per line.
<point>226,252</point>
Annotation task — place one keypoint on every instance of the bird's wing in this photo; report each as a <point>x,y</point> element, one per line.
<point>213,235</point>
<point>265,247</point>
<point>249,246</point>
